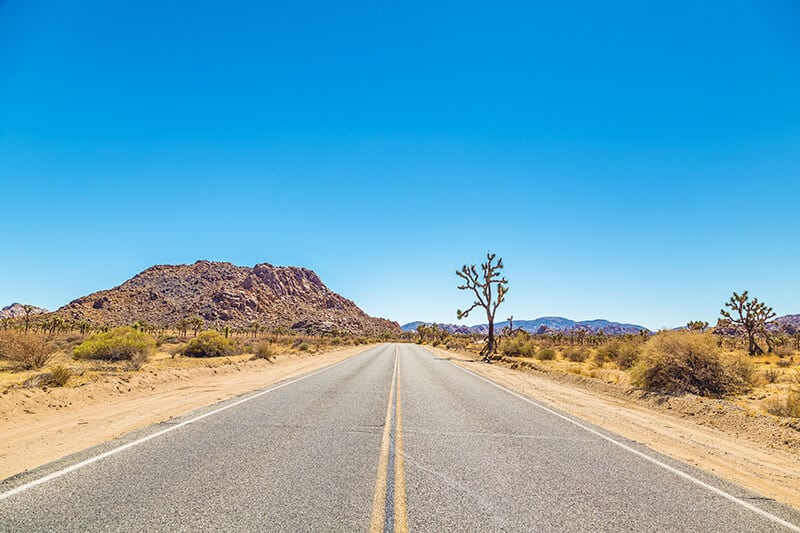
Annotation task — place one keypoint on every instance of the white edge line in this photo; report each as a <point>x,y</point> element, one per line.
<point>644,456</point>
<point>86,462</point>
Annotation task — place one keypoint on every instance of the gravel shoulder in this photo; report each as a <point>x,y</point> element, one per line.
<point>756,452</point>
<point>41,425</point>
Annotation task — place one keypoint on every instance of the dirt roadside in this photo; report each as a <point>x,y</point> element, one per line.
<point>755,452</point>
<point>41,425</point>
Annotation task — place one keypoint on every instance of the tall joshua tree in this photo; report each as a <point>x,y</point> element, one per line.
<point>480,283</point>
<point>749,317</point>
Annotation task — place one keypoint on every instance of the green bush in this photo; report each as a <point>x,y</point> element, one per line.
<point>576,354</point>
<point>117,344</point>
<point>210,344</point>
<point>517,346</point>
<point>546,354</point>
<point>624,353</point>
<point>678,362</point>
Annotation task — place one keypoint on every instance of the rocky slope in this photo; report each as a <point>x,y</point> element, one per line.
<point>17,310</point>
<point>225,294</point>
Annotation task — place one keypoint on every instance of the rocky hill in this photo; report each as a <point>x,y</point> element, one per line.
<point>546,324</point>
<point>17,310</point>
<point>225,294</point>
<point>788,323</point>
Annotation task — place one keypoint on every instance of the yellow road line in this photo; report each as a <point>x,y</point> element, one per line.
<point>400,510</point>
<point>379,500</point>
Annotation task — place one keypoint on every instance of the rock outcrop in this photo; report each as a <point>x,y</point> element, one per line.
<point>17,310</point>
<point>226,294</point>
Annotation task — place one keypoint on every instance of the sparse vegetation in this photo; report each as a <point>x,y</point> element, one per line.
<point>210,344</point>
<point>116,344</point>
<point>787,405</point>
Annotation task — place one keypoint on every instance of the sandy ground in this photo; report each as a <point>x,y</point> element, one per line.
<point>41,425</point>
<point>757,453</point>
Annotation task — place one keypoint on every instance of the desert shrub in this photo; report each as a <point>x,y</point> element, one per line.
<point>137,360</point>
<point>771,375</point>
<point>59,376</point>
<point>116,344</point>
<point>264,351</point>
<point>303,347</point>
<point>741,372</point>
<point>546,354</point>
<point>576,354</point>
<point>678,362</point>
<point>210,344</point>
<point>788,405</point>
<point>518,346</point>
<point>28,350</point>
<point>623,352</point>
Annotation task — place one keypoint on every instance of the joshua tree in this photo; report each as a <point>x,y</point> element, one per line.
<point>182,325</point>
<point>697,325</point>
<point>196,323</point>
<point>749,317</point>
<point>28,310</point>
<point>485,297</point>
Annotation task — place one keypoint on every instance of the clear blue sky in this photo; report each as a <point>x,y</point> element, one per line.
<point>636,161</point>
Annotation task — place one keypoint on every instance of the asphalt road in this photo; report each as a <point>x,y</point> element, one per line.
<point>393,439</point>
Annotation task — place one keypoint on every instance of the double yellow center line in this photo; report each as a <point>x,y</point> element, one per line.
<point>389,503</point>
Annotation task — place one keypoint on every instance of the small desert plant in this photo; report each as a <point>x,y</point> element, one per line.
<point>137,361</point>
<point>116,344</point>
<point>264,351</point>
<point>678,362</point>
<point>59,376</point>
<point>28,350</point>
<point>788,405</point>
<point>576,354</point>
<point>546,354</point>
<point>303,347</point>
<point>771,375</point>
<point>210,344</point>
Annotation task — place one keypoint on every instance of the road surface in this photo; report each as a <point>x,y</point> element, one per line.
<point>393,439</point>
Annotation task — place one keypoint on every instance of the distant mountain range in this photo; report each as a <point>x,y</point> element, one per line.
<point>545,324</point>
<point>789,323</point>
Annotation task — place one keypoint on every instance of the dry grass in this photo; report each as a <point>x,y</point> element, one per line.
<point>57,360</point>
